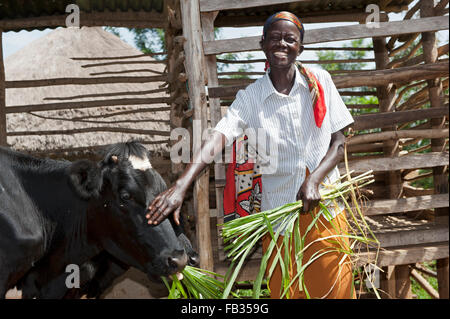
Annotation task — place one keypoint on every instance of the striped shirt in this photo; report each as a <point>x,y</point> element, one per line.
<point>294,142</point>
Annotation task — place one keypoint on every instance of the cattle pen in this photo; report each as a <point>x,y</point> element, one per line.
<point>402,134</point>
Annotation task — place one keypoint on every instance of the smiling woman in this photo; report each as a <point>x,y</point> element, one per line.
<point>300,111</point>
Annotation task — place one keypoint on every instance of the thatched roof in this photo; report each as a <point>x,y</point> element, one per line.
<point>16,15</point>
<point>304,9</point>
<point>53,56</point>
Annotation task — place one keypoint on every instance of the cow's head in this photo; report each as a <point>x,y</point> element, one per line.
<point>119,189</point>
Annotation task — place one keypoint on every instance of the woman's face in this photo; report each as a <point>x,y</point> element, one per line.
<point>282,44</point>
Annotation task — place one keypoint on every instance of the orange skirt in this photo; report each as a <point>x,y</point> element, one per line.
<point>329,276</point>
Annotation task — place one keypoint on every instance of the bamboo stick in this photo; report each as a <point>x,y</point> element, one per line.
<point>424,270</point>
<point>408,16</point>
<point>424,284</point>
<point>418,177</point>
<point>405,45</point>
<point>405,89</point>
<point>420,58</point>
<point>399,62</point>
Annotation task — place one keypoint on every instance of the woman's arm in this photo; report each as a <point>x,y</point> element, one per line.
<point>171,200</point>
<point>309,191</point>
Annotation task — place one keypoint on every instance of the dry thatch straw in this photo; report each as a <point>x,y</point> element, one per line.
<point>53,56</point>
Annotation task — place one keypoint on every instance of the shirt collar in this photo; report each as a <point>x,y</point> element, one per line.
<point>269,89</point>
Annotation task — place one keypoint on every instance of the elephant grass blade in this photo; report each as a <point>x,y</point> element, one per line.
<point>242,234</point>
<point>196,284</point>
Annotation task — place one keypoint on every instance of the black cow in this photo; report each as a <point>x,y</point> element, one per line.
<point>55,213</point>
<point>96,276</point>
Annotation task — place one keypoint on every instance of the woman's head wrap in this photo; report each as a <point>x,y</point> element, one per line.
<point>284,15</point>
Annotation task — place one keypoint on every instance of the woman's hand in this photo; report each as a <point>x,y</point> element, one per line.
<point>309,194</point>
<point>165,203</point>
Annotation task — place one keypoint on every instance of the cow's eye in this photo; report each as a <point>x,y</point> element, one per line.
<point>125,196</point>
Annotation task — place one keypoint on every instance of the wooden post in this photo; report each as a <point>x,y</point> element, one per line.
<point>386,98</point>
<point>437,145</point>
<point>214,109</point>
<point>2,96</point>
<point>387,282</point>
<point>193,47</point>
<point>403,282</point>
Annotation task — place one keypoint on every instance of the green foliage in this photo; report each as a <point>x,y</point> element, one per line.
<point>146,40</point>
<point>344,55</point>
<point>149,40</point>
<point>224,67</point>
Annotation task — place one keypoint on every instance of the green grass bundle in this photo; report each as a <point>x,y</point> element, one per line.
<point>242,234</point>
<point>196,284</point>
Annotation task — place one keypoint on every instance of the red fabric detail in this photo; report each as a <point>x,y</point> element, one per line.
<point>320,109</point>
<point>245,201</point>
<point>229,192</point>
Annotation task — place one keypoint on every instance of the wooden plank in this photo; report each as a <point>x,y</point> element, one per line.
<point>324,16</point>
<point>367,78</point>
<point>427,160</point>
<point>194,63</point>
<point>3,137</point>
<point>413,235</point>
<point>394,135</point>
<point>423,252</point>
<point>389,206</point>
<point>217,5</point>
<point>383,119</point>
<point>398,75</point>
<point>322,35</point>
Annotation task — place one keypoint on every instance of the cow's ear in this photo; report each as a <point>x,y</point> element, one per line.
<point>86,178</point>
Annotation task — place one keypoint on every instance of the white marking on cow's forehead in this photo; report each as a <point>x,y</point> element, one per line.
<point>140,163</point>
